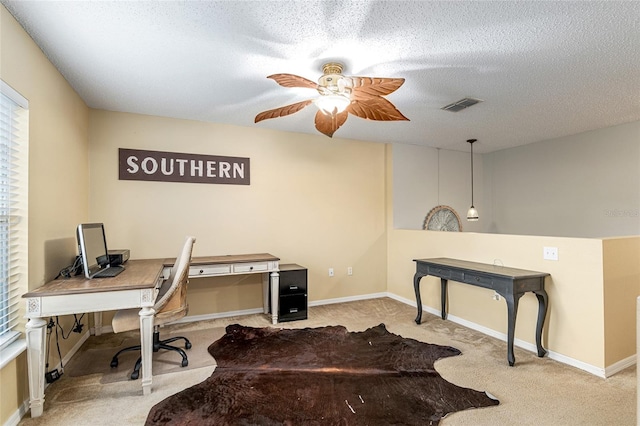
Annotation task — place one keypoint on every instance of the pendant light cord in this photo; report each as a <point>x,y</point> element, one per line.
<point>472,173</point>
<point>438,150</point>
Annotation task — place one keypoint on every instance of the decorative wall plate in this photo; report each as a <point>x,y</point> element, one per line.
<point>442,218</point>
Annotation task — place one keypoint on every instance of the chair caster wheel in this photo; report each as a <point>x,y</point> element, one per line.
<point>187,345</point>
<point>114,362</point>
<point>185,362</point>
<point>135,375</point>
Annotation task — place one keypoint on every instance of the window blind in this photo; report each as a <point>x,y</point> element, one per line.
<point>14,128</point>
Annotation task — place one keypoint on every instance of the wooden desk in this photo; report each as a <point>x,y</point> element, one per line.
<point>136,287</point>
<point>510,283</point>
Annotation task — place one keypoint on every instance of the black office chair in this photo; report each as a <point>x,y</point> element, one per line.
<point>171,304</point>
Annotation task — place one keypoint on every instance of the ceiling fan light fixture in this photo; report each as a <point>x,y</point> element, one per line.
<point>338,97</point>
<point>334,89</point>
<point>334,103</point>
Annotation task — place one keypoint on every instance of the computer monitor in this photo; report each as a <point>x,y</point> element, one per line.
<point>92,245</point>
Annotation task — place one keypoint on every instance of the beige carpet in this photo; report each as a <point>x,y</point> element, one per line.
<point>537,391</point>
<point>96,353</point>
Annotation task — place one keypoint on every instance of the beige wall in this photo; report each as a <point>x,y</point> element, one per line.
<point>314,201</point>
<point>426,177</point>
<point>621,289</point>
<point>58,175</point>
<point>584,185</point>
<point>535,189</point>
<point>13,387</point>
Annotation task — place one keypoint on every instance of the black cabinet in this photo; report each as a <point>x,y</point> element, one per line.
<point>293,293</point>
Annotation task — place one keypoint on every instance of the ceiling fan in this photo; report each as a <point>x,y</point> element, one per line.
<point>339,96</point>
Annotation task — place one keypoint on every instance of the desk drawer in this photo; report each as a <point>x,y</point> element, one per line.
<point>476,279</point>
<point>209,270</point>
<point>438,271</point>
<point>247,268</point>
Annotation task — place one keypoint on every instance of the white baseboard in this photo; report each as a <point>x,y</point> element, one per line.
<point>597,371</point>
<point>620,365</point>
<point>195,318</point>
<point>349,299</point>
<point>15,418</point>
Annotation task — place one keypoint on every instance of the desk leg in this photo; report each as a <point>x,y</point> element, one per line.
<point>416,288</point>
<point>97,323</point>
<point>542,313</point>
<point>36,334</point>
<point>275,296</point>
<point>146,347</point>
<point>266,287</point>
<point>443,297</point>
<point>512,312</point>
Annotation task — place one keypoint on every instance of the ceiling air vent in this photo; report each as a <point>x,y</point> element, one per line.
<point>461,104</point>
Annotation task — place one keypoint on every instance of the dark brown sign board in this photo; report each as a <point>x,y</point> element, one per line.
<point>136,164</point>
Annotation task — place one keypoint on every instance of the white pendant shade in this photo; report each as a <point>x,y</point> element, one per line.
<point>472,214</point>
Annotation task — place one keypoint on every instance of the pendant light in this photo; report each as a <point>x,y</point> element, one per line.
<point>472,213</point>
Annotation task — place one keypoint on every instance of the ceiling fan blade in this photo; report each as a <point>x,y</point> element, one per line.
<point>291,80</point>
<point>375,108</point>
<point>370,86</point>
<point>328,124</point>
<point>282,111</point>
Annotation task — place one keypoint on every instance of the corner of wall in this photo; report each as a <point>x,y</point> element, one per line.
<point>621,288</point>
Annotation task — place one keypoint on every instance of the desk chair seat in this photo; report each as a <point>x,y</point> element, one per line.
<point>170,305</point>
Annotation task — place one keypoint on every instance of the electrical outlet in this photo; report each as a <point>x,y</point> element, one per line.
<point>349,270</point>
<point>550,253</point>
<point>330,272</point>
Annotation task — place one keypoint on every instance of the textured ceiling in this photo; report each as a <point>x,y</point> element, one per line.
<point>544,69</point>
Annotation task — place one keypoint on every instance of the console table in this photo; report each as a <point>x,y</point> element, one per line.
<point>510,283</point>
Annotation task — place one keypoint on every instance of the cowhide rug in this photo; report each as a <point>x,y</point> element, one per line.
<point>319,376</point>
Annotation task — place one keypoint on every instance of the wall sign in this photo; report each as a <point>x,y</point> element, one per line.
<point>136,164</point>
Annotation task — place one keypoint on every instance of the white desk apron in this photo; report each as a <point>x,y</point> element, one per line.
<point>260,263</point>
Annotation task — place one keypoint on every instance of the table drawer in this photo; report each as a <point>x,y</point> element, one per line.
<point>247,268</point>
<point>456,276</point>
<point>477,279</point>
<point>196,271</point>
<point>438,271</point>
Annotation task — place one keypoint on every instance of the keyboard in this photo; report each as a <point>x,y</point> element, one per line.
<point>110,272</point>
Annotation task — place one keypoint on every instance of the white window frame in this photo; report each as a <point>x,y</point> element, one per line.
<point>14,185</point>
